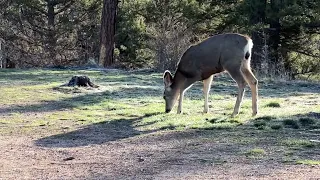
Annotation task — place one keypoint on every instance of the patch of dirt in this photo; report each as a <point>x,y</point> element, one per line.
<point>193,154</point>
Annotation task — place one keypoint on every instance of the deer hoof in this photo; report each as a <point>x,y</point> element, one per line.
<point>234,115</point>
<point>205,111</point>
<point>254,113</point>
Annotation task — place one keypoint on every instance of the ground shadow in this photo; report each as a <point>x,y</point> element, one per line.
<point>98,133</point>
<point>194,150</point>
<point>187,152</point>
<point>68,103</point>
<point>82,100</point>
<point>34,76</point>
<point>315,115</point>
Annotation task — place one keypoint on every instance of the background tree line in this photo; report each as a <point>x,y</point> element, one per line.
<point>154,33</point>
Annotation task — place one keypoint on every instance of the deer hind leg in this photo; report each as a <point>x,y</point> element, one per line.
<point>206,88</point>
<point>237,76</point>
<point>253,83</point>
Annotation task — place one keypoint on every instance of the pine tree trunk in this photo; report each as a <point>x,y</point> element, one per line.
<point>257,58</point>
<point>258,16</point>
<point>274,38</point>
<point>1,54</point>
<point>107,32</point>
<point>51,35</point>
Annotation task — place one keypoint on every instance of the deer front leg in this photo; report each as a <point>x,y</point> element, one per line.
<point>182,91</point>
<point>206,88</point>
<point>187,84</point>
<point>180,102</point>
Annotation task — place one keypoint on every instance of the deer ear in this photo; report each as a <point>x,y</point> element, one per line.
<point>167,78</point>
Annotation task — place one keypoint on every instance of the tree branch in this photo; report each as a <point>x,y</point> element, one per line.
<point>305,53</point>
<point>64,8</point>
<point>42,11</point>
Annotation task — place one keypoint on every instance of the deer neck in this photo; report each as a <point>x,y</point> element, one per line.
<point>178,82</point>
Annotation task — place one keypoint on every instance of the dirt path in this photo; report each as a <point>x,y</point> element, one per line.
<point>161,155</point>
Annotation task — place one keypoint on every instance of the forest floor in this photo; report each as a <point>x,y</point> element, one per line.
<point>120,130</point>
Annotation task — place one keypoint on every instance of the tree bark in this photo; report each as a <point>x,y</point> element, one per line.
<point>274,37</point>
<point>52,41</point>
<point>257,16</point>
<point>1,54</point>
<point>107,32</point>
<point>257,58</point>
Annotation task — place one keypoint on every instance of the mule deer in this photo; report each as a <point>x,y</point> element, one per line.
<point>224,52</point>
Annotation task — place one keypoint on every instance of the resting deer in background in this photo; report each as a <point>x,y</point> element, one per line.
<point>224,52</point>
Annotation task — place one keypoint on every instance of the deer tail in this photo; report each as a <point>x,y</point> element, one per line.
<point>247,49</point>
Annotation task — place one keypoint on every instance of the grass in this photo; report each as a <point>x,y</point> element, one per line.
<point>307,121</point>
<point>126,95</point>
<point>299,143</point>
<point>308,162</point>
<point>130,103</point>
<point>265,118</point>
<point>277,123</point>
<point>273,104</point>
<point>291,123</point>
<point>260,124</point>
<point>276,126</point>
<point>255,152</point>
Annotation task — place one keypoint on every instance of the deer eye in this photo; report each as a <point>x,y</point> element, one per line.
<point>164,97</point>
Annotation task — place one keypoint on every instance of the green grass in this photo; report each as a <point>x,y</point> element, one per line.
<point>307,121</point>
<point>277,123</point>
<point>32,98</point>
<point>255,152</point>
<point>308,162</point>
<point>273,104</point>
<point>276,126</point>
<point>260,124</point>
<point>299,143</point>
<point>265,118</point>
<point>291,123</point>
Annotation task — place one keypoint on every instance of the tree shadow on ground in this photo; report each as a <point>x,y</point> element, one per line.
<point>243,145</point>
<point>98,133</point>
<point>36,77</point>
<point>189,152</point>
<point>315,115</point>
<point>82,100</point>
<point>68,103</point>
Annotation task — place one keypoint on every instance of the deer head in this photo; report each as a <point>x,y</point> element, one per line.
<point>171,93</point>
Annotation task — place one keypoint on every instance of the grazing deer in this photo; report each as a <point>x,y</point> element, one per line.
<point>224,52</point>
